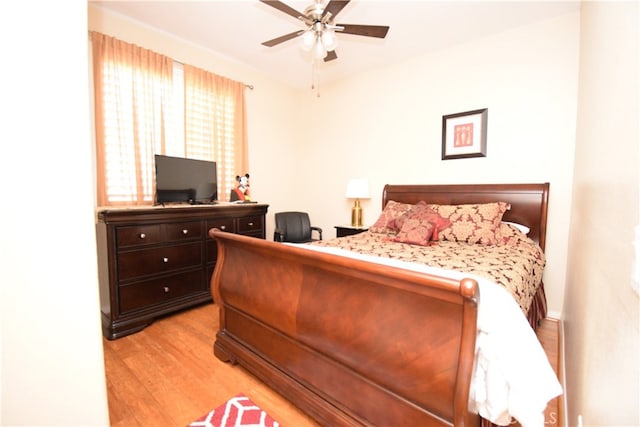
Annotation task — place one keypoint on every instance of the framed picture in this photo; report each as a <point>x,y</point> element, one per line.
<point>464,135</point>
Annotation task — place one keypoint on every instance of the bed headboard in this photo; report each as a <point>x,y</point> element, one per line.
<point>528,201</point>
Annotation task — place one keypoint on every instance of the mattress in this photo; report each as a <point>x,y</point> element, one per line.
<point>517,264</point>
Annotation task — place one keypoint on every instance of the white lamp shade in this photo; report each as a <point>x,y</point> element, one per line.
<point>329,39</point>
<point>308,40</point>
<point>357,188</point>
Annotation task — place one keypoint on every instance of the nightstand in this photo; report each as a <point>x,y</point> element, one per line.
<point>349,230</point>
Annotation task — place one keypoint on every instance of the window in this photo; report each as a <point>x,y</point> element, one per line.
<point>148,104</point>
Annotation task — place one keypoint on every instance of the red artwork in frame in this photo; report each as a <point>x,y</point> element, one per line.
<point>464,135</point>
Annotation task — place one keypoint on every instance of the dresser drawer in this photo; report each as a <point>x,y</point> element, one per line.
<point>140,263</point>
<point>183,231</point>
<point>223,224</point>
<point>138,235</point>
<point>250,224</point>
<point>147,293</point>
<point>212,250</point>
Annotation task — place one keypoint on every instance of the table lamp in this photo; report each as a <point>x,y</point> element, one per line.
<point>357,188</point>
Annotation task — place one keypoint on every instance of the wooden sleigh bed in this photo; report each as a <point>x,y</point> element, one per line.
<point>352,341</point>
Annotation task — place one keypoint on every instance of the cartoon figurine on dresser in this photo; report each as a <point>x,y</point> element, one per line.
<point>241,192</point>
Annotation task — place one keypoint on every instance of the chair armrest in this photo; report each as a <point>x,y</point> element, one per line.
<point>278,235</point>
<point>319,230</point>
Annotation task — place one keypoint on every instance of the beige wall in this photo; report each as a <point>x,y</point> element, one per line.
<point>601,319</point>
<point>52,370</point>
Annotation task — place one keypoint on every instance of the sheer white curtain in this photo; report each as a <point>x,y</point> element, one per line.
<point>215,126</point>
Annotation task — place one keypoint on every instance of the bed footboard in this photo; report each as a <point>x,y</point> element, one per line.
<point>348,342</point>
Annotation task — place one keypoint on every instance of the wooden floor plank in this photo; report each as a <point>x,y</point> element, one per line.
<point>167,375</point>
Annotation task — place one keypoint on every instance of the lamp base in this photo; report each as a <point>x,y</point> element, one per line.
<point>356,214</point>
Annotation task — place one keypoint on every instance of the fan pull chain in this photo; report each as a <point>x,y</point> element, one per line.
<point>315,78</point>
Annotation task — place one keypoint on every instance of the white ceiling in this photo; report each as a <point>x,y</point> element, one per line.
<point>237,28</point>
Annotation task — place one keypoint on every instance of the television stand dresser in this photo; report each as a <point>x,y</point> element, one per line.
<point>157,260</point>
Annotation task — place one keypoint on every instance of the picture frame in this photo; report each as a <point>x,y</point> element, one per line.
<point>464,135</point>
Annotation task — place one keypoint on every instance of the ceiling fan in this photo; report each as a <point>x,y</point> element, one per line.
<point>319,36</point>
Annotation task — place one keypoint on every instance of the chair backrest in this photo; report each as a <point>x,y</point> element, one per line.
<point>295,226</point>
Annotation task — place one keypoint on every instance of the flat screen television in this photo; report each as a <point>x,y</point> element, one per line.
<point>185,180</point>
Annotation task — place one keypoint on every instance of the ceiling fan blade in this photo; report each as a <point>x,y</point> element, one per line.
<point>334,7</point>
<point>281,39</point>
<point>379,31</point>
<point>331,55</point>
<point>284,8</point>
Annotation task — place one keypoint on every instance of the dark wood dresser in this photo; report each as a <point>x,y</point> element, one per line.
<point>157,260</point>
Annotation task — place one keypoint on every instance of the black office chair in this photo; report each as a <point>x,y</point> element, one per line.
<point>294,227</point>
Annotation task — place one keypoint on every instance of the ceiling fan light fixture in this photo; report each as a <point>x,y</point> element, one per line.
<point>319,51</point>
<point>329,39</point>
<point>308,39</point>
<point>319,38</point>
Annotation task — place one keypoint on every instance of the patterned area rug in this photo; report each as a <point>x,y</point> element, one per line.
<point>238,411</point>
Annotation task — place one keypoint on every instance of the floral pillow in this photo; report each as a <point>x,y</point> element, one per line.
<point>420,226</point>
<point>386,222</point>
<point>520,227</point>
<point>415,231</point>
<point>473,223</point>
<point>425,212</point>
<point>511,234</point>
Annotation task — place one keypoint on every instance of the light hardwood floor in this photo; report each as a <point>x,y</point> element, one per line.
<point>549,335</point>
<point>166,375</point>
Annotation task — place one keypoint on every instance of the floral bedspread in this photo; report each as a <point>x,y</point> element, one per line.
<point>517,263</point>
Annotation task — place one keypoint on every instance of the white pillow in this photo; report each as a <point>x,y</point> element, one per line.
<point>523,228</point>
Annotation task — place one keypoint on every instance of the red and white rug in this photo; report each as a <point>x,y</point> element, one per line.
<point>238,411</point>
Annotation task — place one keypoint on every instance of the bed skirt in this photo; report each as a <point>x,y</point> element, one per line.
<point>538,309</point>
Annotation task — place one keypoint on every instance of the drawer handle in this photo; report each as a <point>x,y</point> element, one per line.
<point>185,232</point>
<point>223,227</point>
<point>142,236</point>
<point>250,224</point>
<point>165,259</point>
<point>166,289</point>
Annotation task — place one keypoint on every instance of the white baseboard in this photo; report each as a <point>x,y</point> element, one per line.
<point>563,375</point>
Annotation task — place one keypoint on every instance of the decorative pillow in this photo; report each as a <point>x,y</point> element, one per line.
<point>386,222</point>
<point>424,212</point>
<point>523,228</point>
<point>415,231</point>
<point>473,223</point>
<point>420,225</point>
<point>510,234</point>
